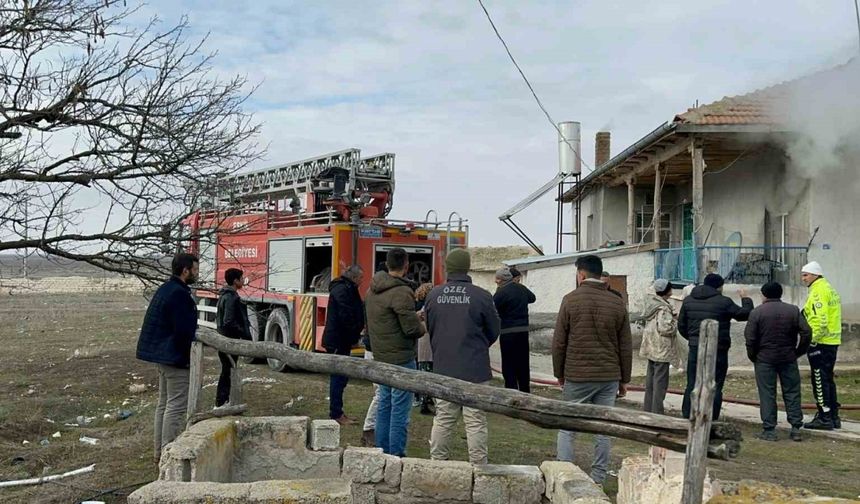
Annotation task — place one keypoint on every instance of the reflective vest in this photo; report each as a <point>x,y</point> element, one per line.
<point>823,311</point>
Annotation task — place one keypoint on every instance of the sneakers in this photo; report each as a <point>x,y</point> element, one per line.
<point>368,438</point>
<point>344,420</point>
<point>820,422</point>
<point>837,422</point>
<point>767,435</point>
<point>795,434</point>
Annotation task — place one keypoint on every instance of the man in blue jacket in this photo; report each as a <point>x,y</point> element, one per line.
<point>165,339</point>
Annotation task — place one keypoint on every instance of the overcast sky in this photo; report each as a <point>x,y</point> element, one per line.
<point>430,82</point>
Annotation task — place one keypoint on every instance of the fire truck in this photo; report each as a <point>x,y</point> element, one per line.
<point>295,227</point>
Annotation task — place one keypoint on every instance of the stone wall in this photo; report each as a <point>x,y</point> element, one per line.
<point>289,459</point>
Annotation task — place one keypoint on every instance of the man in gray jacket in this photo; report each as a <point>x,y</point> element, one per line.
<point>463,323</point>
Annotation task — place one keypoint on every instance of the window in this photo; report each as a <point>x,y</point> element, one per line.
<point>645,231</point>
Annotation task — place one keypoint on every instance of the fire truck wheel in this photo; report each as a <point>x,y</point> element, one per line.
<point>255,320</point>
<point>278,331</point>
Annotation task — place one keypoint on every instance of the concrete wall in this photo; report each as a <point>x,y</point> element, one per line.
<point>639,269</point>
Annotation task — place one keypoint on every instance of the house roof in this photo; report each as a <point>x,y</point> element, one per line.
<point>755,112</point>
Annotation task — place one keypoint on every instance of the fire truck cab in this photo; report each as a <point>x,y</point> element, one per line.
<point>293,228</point>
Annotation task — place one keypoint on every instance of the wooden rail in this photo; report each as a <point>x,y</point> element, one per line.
<point>643,427</point>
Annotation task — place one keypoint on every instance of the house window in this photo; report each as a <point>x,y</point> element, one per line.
<point>644,230</point>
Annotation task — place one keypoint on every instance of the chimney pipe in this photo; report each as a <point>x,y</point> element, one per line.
<point>601,148</point>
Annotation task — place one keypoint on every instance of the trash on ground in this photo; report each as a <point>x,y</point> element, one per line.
<point>56,434</point>
<point>44,442</point>
<point>137,388</point>
<point>45,479</point>
<point>122,415</point>
<point>89,440</point>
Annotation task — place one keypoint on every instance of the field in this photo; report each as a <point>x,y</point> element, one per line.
<point>73,355</point>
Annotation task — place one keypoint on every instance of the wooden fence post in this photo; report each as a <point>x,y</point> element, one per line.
<point>701,409</point>
<point>195,379</point>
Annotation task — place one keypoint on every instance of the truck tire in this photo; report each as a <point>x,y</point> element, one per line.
<point>278,331</point>
<point>256,319</point>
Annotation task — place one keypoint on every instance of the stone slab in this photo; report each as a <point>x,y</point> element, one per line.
<point>400,498</point>
<point>503,484</point>
<point>325,435</point>
<point>363,494</point>
<point>568,484</point>
<point>391,479</point>
<point>319,491</point>
<point>634,473</point>
<point>364,465</point>
<point>310,491</point>
<point>205,452</point>
<point>436,479</point>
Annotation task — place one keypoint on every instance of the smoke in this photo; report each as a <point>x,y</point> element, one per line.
<point>823,112</point>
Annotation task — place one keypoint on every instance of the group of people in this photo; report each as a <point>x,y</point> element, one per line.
<point>776,335</point>
<point>449,328</point>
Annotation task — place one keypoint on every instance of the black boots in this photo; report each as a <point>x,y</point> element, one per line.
<point>822,421</point>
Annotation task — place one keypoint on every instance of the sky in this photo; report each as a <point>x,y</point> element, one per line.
<point>430,82</point>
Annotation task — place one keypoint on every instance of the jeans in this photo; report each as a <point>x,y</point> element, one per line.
<point>600,393</point>
<point>789,380</point>
<point>222,396</point>
<point>392,419</point>
<point>445,424</point>
<point>336,386</point>
<point>720,378</point>
<point>515,360</point>
<point>656,384</point>
<point>822,360</point>
<point>172,405</point>
<point>370,418</point>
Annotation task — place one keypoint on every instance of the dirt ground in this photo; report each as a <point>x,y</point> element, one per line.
<point>70,356</point>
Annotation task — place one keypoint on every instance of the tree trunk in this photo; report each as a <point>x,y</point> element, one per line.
<point>650,428</point>
<point>702,405</point>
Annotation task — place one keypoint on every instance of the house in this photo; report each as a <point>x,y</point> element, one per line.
<point>751,187</point>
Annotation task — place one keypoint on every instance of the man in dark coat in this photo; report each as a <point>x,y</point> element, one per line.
<point>165,340</point>
<point>776,335</point>
<point>231,319</point>
<point>344,322</point>
<point>512,302</point>
<point>463,324</point>
<point>707,302</point>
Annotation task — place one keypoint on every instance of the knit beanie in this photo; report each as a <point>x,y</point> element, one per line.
<point>458,261</point>
<point>504,274</point>
<point>714,280</point>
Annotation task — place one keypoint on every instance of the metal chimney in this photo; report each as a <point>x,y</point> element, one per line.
<point>569,162</point>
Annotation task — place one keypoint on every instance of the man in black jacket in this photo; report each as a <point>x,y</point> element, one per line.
<point>344,322</point>
<point>707,302</point>
<point>231,319</point>
<point>512,301</point>
<point>165,339</point>
<point>463,323</point>
<point>776,335</point>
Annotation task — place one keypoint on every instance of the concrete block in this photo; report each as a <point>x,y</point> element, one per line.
<point>363,494</point>
<point>393,471</point>
<point>436,479</point>
<point>325,435</point>
<point>503,484</point>
<point>568,484</point>
<point>363,465</point>
<point>400,498</point>
<point>670,464</point>
<point>634,473</point>
<point>205,452</point>
<point>311,491</point>
<point>174,492</point>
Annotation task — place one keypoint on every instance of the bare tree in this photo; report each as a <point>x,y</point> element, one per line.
<point>109,133</point>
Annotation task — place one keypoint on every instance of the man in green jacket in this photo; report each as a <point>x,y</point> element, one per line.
<point>823,312</point>
<point>394,327</point>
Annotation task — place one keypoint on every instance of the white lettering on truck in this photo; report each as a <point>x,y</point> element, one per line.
<point>242,253</point>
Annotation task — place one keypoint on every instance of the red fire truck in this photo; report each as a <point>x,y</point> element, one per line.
<point>295,227</point>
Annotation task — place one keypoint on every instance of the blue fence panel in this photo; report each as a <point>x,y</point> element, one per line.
<point>738,265</point>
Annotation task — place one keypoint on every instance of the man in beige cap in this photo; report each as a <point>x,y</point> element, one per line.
<point>823,312</point>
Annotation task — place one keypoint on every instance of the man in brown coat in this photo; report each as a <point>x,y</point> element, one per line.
<point>592,353</point>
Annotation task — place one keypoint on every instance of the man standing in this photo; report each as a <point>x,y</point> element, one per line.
<point>776,335</point>
<point>463,323</point>
<point>394,327</point>
<point>344,322</point>
<point>658,344</point>
<point>707,302</point>
<point>823,312</point>
<point>231,319</point>
<point>165,340</point>
<point>592,353</point>
<point>512,302</point>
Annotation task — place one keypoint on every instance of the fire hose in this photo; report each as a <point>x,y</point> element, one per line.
<point>726,399</point>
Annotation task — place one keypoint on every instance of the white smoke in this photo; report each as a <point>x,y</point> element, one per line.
<point>823,112</point>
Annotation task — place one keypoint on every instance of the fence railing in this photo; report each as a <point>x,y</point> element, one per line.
<point>739,265</point>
